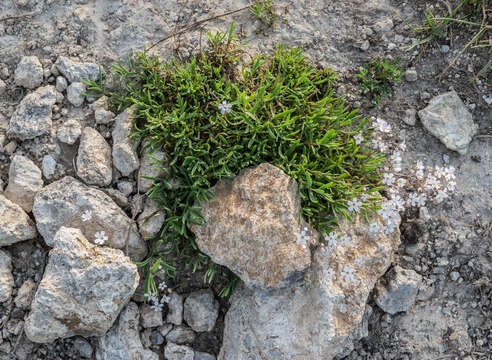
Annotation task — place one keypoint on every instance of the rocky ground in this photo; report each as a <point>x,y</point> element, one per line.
<point>70,180</point>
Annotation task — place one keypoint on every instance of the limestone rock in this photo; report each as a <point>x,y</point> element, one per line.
<point>25,180</point>
<point>151,167</point>
<point>125,158</point>
<point>76,71</point>
<point>49,166</point>
<point>61,84</point>
<point>175,306</point>
<point>84,288</point>
<point>15,225</point>
<point>397,293</point>
<point>29,72</point>
<point>122,342</point>
<point>178,352</point>
<point>94,159</point>
<point>6,278</point>
<point>151,219</point>
<point>68,202</point>
<point>258,210</point>
<point>75,93</point>
<point>32,118</point>
<point>314,319</point>
<point>181,335</point>
<point>69,132</point>
<point>101,113</point>
<point>201,310</point>
<point>150,318</point>
<point>448,119</point>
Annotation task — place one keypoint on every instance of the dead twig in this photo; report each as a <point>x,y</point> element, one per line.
<point>13,17</point>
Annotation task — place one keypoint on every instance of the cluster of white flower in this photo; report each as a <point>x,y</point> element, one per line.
<point>100,238</point>
<point>354,205</point>
<point>348,274</point>
<point>154,302</point>
<point>86,215</point>
<point>304,238</point>
<point>359,138</point>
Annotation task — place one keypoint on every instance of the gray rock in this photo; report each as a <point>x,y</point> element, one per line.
<point>25,180</point>
<point>410,116</point>
<point>411,75</point>
<point>69,132</point>
<point>447,118</point>
<point>3,87</point>
<point>320,316</point>
<point>201,310</point>
<point>384,25</point>
<point>165,329</point>
<point>49,166</point>
<point>101,113</point>
<point>94,159</point>
<point>29,72</point>
<point>61,84</point>
<point>83,348</point>
<point>151,167</point>
<point>181,335</point>
<point>6,277</point>
<point>63,203</point>
<point>398,291</point>
<point>75,93</point>
<point>150,318</point>
<point>32,118</point>
<point>122,342</point>
<point>125,158</point>
<point>151,219</point>
<point>365,45</point>
<point>126,187</point>
<point>25,294</point>
<point>15,225</point>
<point>445,49</point>
<point>259,209</point>
<point>156,338</point>
<point>175,309</point>
<point>203,356</point>
<point>178,352</point>
<point>454,275</point>
<point>84,288</point>
<point>76,71</point>
<point>118,197</point>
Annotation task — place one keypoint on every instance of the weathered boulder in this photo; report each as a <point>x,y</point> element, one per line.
<point>75,93</point>
<point>151,219</point>
<point>75,71</point>
<point>69,132</point>
<point>314,319</point>
<point>181,335</point>
<point>101,113</point>
<point>68,202</point>
<point>29,72</point>
<point>149,317</point>
<point>125,158</point>
<point>448,119</point>
<point>201,310</point>
<point>94,159</point>
<point>178,352</point>
<point>25,180</point>
<point>150,167</point>
<point>251,226</point>
<point>175,309</point>
<point>122,341</point>
<point>32,117</point>
<point>398,290</point>
<point>15,225</point>
<point>84,288</point>
<point>6,278</point>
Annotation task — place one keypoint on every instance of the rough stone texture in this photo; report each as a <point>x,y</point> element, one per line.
<point>203,356</point>
<point>175,309</point>
<point>101,113</point>
<point>122,342</point>
<point>49,166</point>
<point>201,310</point>
<point>25,294</point>
<point>69,132</point>
<point>94,159</point>
<point>3,87</point>
<point>397,292</point>
<point>178,352</point>
<point>6,278</point>
<point>32,117</point>
<point>150,318</point>
<point>317,318</point>
<point>125,157</point>
<point>151,219</point>
<point>258,210</point>
<point>25,180</point>
<point>15,225</point>
<point>410,116</point>
<point>447,118</point>
<point>63,202</point>
<point>149,168</point>
<point>83,348</point>
<point>61,84</point>
<point>411,75</point>
<point>29,72</point>
<point>75,71</point>
<point>84,288</point>
<point>181,335</point>
<point>75,93</point>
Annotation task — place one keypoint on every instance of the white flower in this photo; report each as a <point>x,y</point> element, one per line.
<point>86,215</point>
<point>374,228</point>
<point>165,299</point>
<point>364,197</point>
<point>303,238</point>
<point>225,107</point>
<point>345,240</point>
<point>331,239</point>
<point>157,307</point>
<point>382,126</point>
<point>358,138</point>
<point>401,182</point>
<point>348,273</point>
<point>101,238</point>
<point>162,286</point>
<point>388,178</point>
<point>328,273</point>
<point>354,205</point>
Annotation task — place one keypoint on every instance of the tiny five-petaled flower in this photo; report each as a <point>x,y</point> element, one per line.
<point>225,107</point>
<point>101,238</point>
<point>86,215</point>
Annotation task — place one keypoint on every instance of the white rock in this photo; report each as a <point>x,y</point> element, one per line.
<point>63,203</point>
<point>61,84</point>
<point>32,117</point>
<point>49,166</point>
<point>447,118</point>
<point>125,158</point>
<point>75,93</point>
<point>25,180</point>
<point>84,288</point>
<point>122,342</point>
<point>94,159</point>
<point>69,132</point>
<point>151,219</point>
<point>15,225</point>
<point>101,113</point>
<point>178,352</point>
<point>175,306</point>
<point>151,167</point>
<point>383,25</point>
<point>201,310</point>
<point>29,72</point>
<point>411,75</point>
<point>6,278</point>
<point>75,71</point>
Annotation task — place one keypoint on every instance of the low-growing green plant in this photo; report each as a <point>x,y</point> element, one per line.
<point>213,120</point>
<point>378,77</point>
<point>263,10</point>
